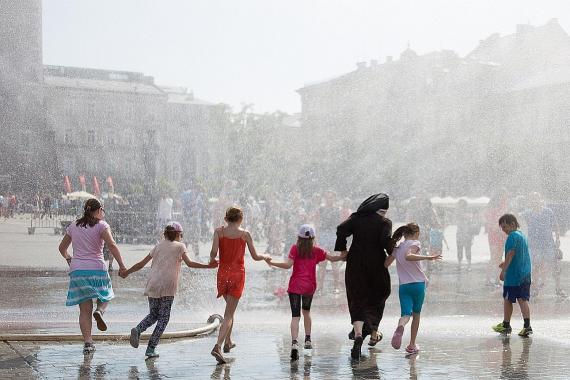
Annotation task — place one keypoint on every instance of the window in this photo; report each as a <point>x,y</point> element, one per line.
<point>91,137</point>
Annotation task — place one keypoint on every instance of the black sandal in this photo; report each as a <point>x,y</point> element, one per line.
<point>228,347</point>
<point>372,342</point>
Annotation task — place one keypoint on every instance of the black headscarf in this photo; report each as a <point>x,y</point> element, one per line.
<point>372,204</point>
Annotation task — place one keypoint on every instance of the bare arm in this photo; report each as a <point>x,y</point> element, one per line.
<point>412,255</point>
<point>389,260</point>
<point>340,257</point>
<point>108,238</point>
<point>140,265</point>
<point>215,246</point>
<point>252,250</point>
<point>505,264</point>
<point>284,265</point>
<point>194,264</point>
<point>63,246</point>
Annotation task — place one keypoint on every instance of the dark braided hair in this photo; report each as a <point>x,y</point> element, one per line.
<point>88,219</point>
<point>405,230</point>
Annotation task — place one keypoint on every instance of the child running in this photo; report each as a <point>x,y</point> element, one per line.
<point>230,241</point>
<point>516,274</point>
<point>88,275</point>
<point>162,283</point>
<point>303,257</point>
<point>412,281</point>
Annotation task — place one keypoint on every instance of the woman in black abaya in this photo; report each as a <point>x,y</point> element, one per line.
<point>367,280</point>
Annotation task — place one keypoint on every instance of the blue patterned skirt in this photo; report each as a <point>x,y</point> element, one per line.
<point>85,285</point>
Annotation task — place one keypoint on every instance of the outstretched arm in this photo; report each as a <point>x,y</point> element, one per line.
<point>215,246</point>
<point>108,238</point>
<point>194,264</point>
<point>340,257</point>
<point>138,266</point>
<point>252,250</point>
<point>413,255</point>
<point>284,265</point>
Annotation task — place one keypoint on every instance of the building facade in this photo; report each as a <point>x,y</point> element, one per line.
<point>439,122</point>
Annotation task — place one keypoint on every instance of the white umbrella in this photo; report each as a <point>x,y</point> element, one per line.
<point>78,195</point>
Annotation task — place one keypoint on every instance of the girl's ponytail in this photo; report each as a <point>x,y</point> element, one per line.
<point>398,234</point>
<point>405,230</point>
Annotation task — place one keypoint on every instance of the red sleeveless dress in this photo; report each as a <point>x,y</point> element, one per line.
<point>231,270</point>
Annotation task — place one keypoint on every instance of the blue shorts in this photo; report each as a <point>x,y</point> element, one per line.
<point>512,293</point>
<point>412,297</point>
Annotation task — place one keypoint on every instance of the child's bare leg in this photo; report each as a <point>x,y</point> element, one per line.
<point>507,310</point>
<point>228,341</point>
<point>102,306</point>
<point>414,329</point>
<point>225,328</point>
<point>525,309</point>
<point>295,328</point>
<point>86,320</point>
<point>307,322</point>
<point>404,320</point>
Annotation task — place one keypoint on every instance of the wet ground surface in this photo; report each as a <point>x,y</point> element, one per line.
<point>455,336</point>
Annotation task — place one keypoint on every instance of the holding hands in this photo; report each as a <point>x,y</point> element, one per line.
<point>123,272</point>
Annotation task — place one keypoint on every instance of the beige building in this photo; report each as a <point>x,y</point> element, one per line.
<point>440,122</point>
<point>59,120</point>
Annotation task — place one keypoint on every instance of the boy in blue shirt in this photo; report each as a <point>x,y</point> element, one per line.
<point>516,274</point>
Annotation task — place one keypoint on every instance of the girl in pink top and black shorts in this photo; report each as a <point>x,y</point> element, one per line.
<point>303,257</point>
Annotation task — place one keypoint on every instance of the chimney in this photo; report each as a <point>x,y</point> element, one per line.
<point>360,65</point>
<point>524,28</point>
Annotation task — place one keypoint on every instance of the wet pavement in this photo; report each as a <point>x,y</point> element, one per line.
<point>455,336</point>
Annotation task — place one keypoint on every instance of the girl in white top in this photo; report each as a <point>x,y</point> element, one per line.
<point>162,283</point>
<point>412,281</point>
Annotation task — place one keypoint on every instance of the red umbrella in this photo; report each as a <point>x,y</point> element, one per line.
<point>110,183</point>
<point>82,181</point>
<point>96,189</point>
<point>67,184</point>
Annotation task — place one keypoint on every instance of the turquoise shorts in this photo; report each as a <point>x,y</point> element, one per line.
<point>412,297</point>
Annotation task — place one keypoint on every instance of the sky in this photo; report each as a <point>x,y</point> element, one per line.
<point>261,51</point>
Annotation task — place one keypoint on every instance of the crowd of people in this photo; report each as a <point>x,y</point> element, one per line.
<point>363,239</point>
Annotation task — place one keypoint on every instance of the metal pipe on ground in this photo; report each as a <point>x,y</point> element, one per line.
<point>213,321</point>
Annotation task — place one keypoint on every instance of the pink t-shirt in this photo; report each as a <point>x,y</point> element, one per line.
<point>87,246</point>
<point>408,271</point>
<point>165,269</point>
<point>304,277</point>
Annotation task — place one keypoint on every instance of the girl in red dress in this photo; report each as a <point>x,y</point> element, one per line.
<point>230,241</point>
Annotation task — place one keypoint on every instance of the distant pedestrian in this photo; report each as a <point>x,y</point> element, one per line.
<point>544,243</point>
<point>496,238</point>
<point>467,229</point>
<point>164,211</point>
<point>162,284</point>
<point>88,276</point>
<point>413,281</point>
<point>230,241</point>
<point>303,257</point>
<point>516,273</point>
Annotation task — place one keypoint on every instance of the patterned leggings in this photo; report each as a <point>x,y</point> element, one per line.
<point>159,313</point>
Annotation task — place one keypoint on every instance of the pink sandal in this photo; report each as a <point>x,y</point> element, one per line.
<point>413,349</point>
<point>397,337</point>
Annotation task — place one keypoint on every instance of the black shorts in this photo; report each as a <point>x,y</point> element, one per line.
<point>298,300</point>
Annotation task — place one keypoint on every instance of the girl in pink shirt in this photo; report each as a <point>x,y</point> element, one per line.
<point>88,276</point>
<point>412,281</point>
<point>303,257</point>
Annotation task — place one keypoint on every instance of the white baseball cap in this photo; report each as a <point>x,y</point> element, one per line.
<point>306,231</point>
